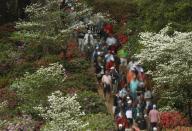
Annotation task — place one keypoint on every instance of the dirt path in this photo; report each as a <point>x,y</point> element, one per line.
<point>108,100</point>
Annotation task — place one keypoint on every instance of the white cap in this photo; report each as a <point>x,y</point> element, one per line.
<point>128,98</point>
<point>129,102</point>
<point>120,125</point>
<point>154,128</point>
<point>154,106</point>
<point>137,114</point>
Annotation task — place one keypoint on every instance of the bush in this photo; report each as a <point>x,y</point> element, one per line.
<point>63,113</point>
<point>46,60</point>
<point>77,65</point>
<point>91,102</point>
<point>4,81</point>
<point>33,88</point>
<point>173,119</point>
<point>19,123</point>
<point>99,122</point>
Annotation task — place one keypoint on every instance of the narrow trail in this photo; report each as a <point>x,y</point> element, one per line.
<point>109,102</point>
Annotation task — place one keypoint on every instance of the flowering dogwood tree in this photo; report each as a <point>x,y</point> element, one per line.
<point>49,25</point>
<point>168,58</point>
<point>62,114</point>
<point>32,87</point>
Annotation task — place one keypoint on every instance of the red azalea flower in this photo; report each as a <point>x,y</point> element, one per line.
<point>173,119</point>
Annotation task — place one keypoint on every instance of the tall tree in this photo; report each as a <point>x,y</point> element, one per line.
<point>168,57</point>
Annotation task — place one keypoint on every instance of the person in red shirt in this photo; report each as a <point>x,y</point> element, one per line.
<point>121,119</point>
<point>108,28</point>
<point>110,64</point>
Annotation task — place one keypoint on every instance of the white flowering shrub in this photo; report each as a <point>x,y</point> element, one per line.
<point>48,21</point>
<point>52,76</point>
<point>169,59</point>
<point>32,88</point>
<point>62,114</point>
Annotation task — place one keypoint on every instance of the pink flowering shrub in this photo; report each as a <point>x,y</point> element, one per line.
<point>173,119</point>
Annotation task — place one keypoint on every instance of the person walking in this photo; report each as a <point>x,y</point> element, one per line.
<point>107,83</point>
<point>154,118</point>
<point>88,44</point>
<point>133,87</point>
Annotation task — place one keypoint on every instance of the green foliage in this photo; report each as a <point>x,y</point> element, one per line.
<point>80,81</point>
<point>3,107</point>
<point>156,14</point>
<point>149,15</point>
<point>43,28</point>
<point>80,77</point>
<point>115,7</point>
<point>133,46</point>
<point>77,65</point>
<point>33,88</point>
<point>100,121</point>
<point>91,102</point>
<point>18,123</point>
<point>4,81</point>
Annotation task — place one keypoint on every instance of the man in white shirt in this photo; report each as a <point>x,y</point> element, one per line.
<point>109,57</point>
<point>88,40</point>
<point>111,40</point>
<point>129,115</point>
<point>107,83</point>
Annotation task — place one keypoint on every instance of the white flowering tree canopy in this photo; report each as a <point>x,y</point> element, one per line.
<point>62,114</point>
<point>168,58</point>
<point>43,78</point>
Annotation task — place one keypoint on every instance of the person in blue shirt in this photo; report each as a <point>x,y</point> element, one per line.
<point>133,87</point>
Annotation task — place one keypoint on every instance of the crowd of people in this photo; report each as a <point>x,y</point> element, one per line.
<point>121,79</point>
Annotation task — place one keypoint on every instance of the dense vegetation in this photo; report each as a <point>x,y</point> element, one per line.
<point>39,70</point>
<point>36,60</point>
<point>149,15</point>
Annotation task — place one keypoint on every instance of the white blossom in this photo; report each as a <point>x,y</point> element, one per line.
<point>62,114</point>
<point>168,58</point>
